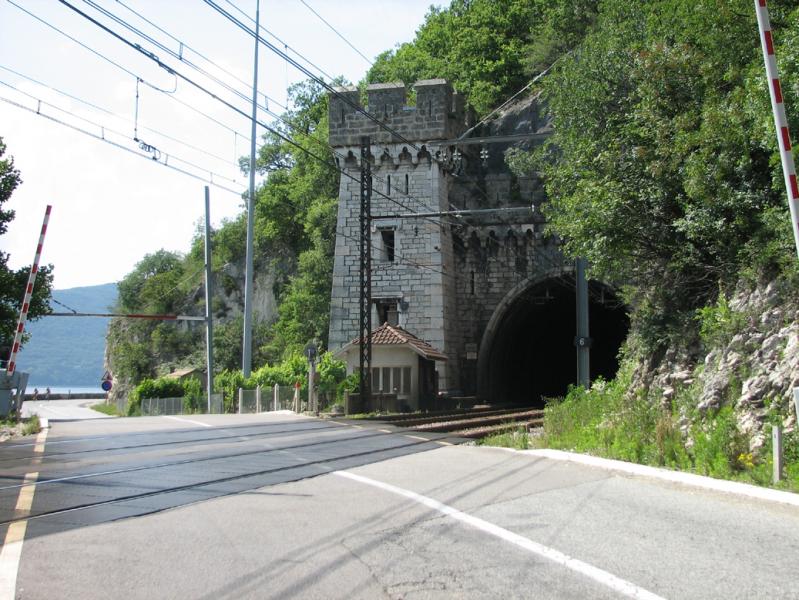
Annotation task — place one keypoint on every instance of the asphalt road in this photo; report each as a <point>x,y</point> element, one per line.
<point>62,410</point>
<point>281,506</point>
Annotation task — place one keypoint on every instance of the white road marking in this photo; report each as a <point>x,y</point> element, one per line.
<point>15,535</point>
<point>417,437</point>
<point>186,420</point>
<point>700,481</point>
<point>595,573</point>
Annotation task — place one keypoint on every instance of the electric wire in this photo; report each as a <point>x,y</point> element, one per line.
<point>125,69</point>
<point>195,51</point>
<point>264,108</point>
<point>120,146</point>
<point>308,73</point>
<point>285,45</point>
<point>334,30</point>
<point>153,57</point>
<point>231,106</point>
<point>179,57</point>
<point>119,133</point>
<point>117,116</point>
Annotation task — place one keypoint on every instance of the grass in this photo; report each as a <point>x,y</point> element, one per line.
<point>518,438</point>
<point>106,409</point>
<point>12,427</point>
<point>607,421</point>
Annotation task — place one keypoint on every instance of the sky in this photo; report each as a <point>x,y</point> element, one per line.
<point>111,207</point>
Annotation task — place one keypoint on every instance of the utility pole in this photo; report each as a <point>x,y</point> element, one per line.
<point>365,359</point>
<point>582,341</point>
<point>209,331</point>
<point>246,357</point>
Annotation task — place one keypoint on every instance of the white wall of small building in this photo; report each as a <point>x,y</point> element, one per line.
<point>391,357</point>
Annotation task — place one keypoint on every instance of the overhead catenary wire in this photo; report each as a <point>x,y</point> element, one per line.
<point>280,41</point>
<point>336,31</point>
<point>105,129</point>
<point>158,61</point>
<point>180,57</point>
<point>209,181</point>
<point>231,106</point>
<point>117,116</point>
<point>125,69</point>
<point>308,73</point>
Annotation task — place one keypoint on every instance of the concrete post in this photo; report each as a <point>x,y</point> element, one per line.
<point>241,399</point>
<point>257,398</point>
<point>776,437</point>
<point>275,396</point>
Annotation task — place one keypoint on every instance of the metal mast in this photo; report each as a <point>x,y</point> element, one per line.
<point>246,354</point>
<point>366,273</point>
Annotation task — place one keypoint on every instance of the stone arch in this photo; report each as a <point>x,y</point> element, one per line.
<point>527,349</point>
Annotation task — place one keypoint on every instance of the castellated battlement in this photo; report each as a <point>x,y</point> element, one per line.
<point>439,113</point>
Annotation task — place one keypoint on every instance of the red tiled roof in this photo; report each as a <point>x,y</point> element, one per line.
<point>394,335</point>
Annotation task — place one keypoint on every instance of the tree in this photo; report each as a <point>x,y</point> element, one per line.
<point>12,283</point>
<point>659,171</point>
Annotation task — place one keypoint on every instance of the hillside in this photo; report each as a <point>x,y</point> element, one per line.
<point>68,351</point>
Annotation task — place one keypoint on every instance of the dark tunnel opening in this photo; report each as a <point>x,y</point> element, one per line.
<point>532,355</point>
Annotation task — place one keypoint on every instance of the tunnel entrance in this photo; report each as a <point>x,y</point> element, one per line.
<point>528,351</point>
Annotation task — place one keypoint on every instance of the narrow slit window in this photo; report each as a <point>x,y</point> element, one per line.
<point>387,238</point>
<point>388,184</point>
<point>406,183</point>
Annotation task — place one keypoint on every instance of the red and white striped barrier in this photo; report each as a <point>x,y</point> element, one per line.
<point>26,301</point>
<point>780,120</point>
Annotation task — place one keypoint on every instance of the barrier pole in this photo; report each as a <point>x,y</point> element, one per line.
<point>26,299</point>
<point>780,118</point>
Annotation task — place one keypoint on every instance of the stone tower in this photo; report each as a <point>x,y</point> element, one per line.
<point>413,280</point>
<point>491,291</point>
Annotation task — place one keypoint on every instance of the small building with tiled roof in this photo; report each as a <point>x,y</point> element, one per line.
<point>402,365</point>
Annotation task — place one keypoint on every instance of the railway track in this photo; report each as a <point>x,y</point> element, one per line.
<point>469,423</point>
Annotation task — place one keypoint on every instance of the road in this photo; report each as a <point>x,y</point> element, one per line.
<point>282,506</point>
<point>60,410</point>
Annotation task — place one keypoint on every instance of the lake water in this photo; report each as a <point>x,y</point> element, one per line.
<point>65,390</point>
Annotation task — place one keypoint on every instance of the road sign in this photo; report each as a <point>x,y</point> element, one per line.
<point>106,385</point>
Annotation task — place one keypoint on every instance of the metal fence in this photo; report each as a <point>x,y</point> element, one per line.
<point>266,399</point>
<point>171,406</point>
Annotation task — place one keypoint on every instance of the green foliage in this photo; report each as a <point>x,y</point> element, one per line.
<point>518,439</point>
<point>153,388</point>
<point>13,283</point>
<point>32,426</point>
<point>292,370</point>
<point>188,388</point>
<point>719,323</point>
<point>154,285</point>
<point>481,46</point>
<point>663,168</point>
<point>610,421</point>
<point>228,383</point>
<point>719,447</point>
<point>294,237</point>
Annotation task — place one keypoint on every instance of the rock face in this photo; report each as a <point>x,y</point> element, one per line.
<point>754,369</point>
<point>228,304</point>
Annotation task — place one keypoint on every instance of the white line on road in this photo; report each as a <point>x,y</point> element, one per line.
<point>15,535</point>
<point>600,576</point>
<point>186,420</point>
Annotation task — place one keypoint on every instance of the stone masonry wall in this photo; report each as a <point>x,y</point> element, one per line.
<point>448,277</point>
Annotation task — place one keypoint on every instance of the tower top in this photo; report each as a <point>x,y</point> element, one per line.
<point>438,115</point>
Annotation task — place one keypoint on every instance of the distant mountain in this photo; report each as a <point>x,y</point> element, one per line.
<point>68,351</point>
